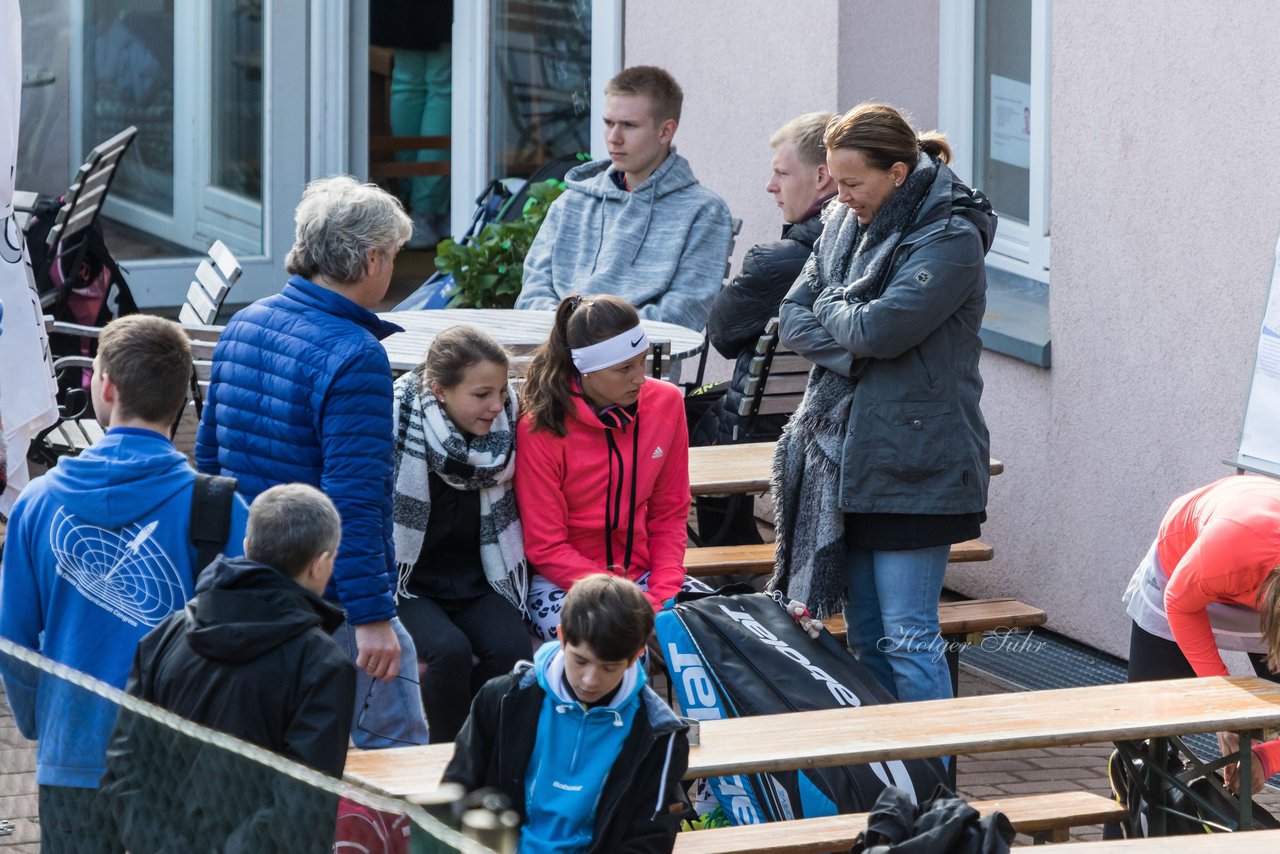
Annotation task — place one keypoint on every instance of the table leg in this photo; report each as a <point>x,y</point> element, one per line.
<point>1246,781</point>
<point>952,648</point>
<point>1156,799</point>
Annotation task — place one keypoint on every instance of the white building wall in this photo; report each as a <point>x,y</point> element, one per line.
<point>746,68</point>
<point>1164,222</point>
<point>1164,227</point>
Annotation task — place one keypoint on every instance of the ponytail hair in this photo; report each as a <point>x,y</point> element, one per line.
<point>548,392</point>
<point>884,136</point>
<point>1269,610</point>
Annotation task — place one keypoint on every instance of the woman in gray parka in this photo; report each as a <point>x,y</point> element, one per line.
<point>885,463</point>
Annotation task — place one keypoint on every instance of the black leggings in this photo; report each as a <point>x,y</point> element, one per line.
<point>1152,658</point>
<point>447,634</point>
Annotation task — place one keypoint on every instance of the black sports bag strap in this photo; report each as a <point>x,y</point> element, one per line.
<point>211,498</point>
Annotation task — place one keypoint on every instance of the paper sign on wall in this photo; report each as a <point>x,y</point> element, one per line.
<point>1010,121</point>
<point>1260,435</point>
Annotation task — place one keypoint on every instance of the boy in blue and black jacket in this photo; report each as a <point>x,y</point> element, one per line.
<point>591,758</point>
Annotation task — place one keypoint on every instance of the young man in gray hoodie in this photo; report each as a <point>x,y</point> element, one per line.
<point>638,225</point>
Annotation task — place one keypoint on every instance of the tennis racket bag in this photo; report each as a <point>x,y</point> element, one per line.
<point>736,654</point>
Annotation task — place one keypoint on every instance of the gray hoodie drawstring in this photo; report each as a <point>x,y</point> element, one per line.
<point>653,196</point>
<point>600,241</point>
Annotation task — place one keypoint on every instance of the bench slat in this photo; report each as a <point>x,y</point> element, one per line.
<point>758,559</point>
<point>969,616</point>
<point>1028,814</point>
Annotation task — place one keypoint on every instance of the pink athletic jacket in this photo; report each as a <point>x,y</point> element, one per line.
<point>1218,544</point>
<point>571,489</point>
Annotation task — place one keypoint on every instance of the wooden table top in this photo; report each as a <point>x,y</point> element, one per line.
<point>518,330</point>
<point>984,724</point>
<point>745,468</point>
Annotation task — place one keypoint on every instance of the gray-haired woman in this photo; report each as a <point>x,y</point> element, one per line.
<point>300,391</point>
<point>885,463</point>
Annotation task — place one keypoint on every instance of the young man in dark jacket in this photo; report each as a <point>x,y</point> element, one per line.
<point>591,758</point>
<point>251,655</point>
<point>801,184</point>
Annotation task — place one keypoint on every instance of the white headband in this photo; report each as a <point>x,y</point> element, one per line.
<point>611,351</point>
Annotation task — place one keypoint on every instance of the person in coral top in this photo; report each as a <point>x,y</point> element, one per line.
<point>1211,582</point>
<point>602,477</point>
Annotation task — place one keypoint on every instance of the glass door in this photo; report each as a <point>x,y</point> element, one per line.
<point>528,81</point>
<point>195,171</point>
<point>230,194</point>
<point>539,83</point>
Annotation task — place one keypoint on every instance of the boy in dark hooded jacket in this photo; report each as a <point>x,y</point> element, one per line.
<point>591,758</point>
<point>251,655</point>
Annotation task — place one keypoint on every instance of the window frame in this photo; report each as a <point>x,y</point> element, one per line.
<point>1018,248</point>
<point>471,27</point>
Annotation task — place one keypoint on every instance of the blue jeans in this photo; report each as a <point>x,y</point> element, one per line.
<point>388,714</point>
<point>892,618</point>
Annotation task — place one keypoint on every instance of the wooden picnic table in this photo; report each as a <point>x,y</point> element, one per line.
<point>745,468</point>
<point>518,330</point>
<point>850,736</point>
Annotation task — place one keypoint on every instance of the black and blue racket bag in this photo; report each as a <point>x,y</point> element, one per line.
<point>735,654</point>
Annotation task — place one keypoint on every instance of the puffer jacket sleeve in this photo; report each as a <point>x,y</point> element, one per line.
<point>537,286</point>
<point>356,439</point>
<point>800,330</point>
<point>738,314</point>
<point>936,279</point>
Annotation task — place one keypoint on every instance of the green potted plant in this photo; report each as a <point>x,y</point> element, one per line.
<point>488,270</point>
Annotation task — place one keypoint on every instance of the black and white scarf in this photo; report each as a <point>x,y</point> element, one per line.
<point>428,442</point>
<point>811,557</point>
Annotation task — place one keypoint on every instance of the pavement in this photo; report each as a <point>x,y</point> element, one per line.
<point>980,776</point>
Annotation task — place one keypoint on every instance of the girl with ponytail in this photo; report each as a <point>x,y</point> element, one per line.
<point>602,478</point>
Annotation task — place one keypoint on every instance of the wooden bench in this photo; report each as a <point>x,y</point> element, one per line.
<point>1048,817</point>
<point>745,468</point>
<point>982,724</point>
<point>968,619</point>
<point>758,559</point>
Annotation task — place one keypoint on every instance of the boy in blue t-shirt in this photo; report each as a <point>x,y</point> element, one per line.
<point>591,758</point>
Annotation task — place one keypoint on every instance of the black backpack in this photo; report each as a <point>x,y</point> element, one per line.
<point>92,295</point>
<point>738,654</point>
<point>212,497</point>
<point>1209,808</point>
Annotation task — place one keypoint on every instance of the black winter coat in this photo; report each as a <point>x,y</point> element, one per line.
<point>495,744</point>
<point>251,656</point>
<point>944,824</point>
<point>739,315</point>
